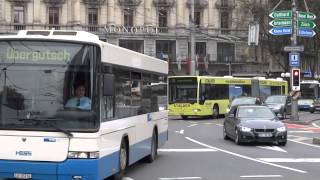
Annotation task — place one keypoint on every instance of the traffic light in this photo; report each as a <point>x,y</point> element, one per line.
<point>295,79</point>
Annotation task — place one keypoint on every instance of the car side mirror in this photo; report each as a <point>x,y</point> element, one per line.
<point>231,115</point>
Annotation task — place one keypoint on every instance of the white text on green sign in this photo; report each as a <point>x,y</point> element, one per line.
<point>281,23</point>
<point>306,16</point>
<point>306,24</point>
<point>281,14</point>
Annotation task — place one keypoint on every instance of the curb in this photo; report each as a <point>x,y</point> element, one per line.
<point>308,122</point>
<point>316,141</point>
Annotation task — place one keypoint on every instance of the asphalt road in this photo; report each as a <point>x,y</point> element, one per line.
<point>196,150</point>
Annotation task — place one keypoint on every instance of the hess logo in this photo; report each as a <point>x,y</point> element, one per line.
<point>23,153</point>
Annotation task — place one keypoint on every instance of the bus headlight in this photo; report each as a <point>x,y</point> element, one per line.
<point>83,155</point>
<point>196,110</point>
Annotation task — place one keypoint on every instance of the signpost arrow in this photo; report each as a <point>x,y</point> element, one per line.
<point>294,48</point>
<point>281,14</point>
<point>306,16</point>
<point>281,31</point>
<point>306,33</point>
<point>306,24</point>
<point>281,23</point>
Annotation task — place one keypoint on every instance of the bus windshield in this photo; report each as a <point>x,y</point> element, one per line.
<point>38,78</point>
<point>183,90</point>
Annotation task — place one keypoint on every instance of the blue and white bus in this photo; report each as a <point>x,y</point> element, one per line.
<point>42,139</point>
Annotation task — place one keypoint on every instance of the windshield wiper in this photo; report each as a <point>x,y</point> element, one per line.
<point>47,120</point>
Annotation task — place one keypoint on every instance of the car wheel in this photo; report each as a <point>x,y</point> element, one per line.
<point>225,136</point>
<point>237,140</point>
<point>184,117</point>
<point>311,110</point>
<point>282,143</point>
<point>215,112</point>
<point>154,148</point>
<point>123,160</point>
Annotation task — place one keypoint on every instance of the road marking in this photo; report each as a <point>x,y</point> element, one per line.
<point>316,146</point>
<point>301,139</point>
<point>219,125</point>
<point>245,157</point>
<point>187,150</point>
<point>273,148</point>
<point>182,178</point>
<point>127,178</point>
<point>294,160</point>
<point>208,123</point>
<point>315,125</point>
<point>180,132</point>
<point>261,176</point>
<point>310,132</point>
<point>193,125</point>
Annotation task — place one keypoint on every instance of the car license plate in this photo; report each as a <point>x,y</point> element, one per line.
<point>265,135</point>
<point>22,176</point>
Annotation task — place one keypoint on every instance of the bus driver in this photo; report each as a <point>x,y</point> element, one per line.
<point>80,101</point>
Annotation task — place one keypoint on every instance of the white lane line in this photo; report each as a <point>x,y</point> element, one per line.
<point>301,139</point>
<point>307,144</point>
<point>193,125</point>
<point>187,150</point>
<point>261,176</point>
<point>315,125</point>
<point>180,132</point>
<point>273,148</point>
<point>127,178</point>
<point>182,178</point>
<point>219,125</point>
<point>293,160</point>
<point>208,123</point>
<point>246,157</point>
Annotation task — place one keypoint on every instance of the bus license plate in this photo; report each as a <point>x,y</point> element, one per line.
<point>265,135</point>
<point>22,176</point>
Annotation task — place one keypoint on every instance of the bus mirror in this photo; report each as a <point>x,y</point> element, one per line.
<point>108,85</point>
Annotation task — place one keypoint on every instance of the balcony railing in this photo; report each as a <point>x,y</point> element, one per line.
<point>94,2</point>
<point>198,4</point>
<point>164,3</point>
<point>126,3</point>
<point>19,27</point>
<point>225,4</point>
<point>163,29</point>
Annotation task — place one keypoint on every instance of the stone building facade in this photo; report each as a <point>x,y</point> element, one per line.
<point>159,28</point>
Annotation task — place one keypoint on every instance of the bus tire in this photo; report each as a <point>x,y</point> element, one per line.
<point>215,112</point>
<point>123,161</point>
<point>154,148</point>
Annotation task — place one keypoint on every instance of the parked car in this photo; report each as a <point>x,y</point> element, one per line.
<point>279,104</point>
<point>249,123</point>
<point>305,104</point>
<point>315,106</point>
<point>244,100</point>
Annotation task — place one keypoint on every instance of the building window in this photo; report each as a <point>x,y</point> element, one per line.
<point>197,18</point>
<point>226,52</point>
<point>18,14</point>
<point>166,49</point>
<point>128,17</point>
<point>135,45</point>
<point>163,20</point>
<point>54,17</point>
<point>224,22</point>
<point>93,19</point>
<point>201,49</point>
<point>18,18</point>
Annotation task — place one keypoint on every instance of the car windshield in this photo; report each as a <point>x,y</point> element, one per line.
<point>255,112</point>
<point>276,100</point>
<point>37,80</point>
<point>239,101</point>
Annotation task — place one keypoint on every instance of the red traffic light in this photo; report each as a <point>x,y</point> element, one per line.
<point>296,72</point>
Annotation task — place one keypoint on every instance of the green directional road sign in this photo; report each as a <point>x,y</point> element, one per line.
<point>281,14</point>
<point>281,23</point>
<point>306,16</point>
<point>306,24</point>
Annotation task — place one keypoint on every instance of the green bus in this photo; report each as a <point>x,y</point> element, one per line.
<point>211,95</point>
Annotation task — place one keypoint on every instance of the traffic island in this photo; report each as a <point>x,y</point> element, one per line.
<point>316,140</point>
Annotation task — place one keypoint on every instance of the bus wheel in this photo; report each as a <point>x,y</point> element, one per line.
<point>184,117</point>
<point>123,160</point>
<point>215,112</point>
<point>154,148</point>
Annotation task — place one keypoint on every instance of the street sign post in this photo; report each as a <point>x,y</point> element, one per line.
<point>294,48</point>
<point>281,23</point>
<point>281,14</point>
<point>281,31</point>
<point>294,59</point>
<point>306,33</point>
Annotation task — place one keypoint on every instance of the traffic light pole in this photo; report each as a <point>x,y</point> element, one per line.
<point>294,101</point>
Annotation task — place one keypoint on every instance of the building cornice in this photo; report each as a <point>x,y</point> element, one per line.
<point>198,4</point>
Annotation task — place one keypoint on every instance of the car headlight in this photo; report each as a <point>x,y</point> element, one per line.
<point>281,129</point>
<point>245,129</point>
<point>228,109</point>
<point>311,105</point>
